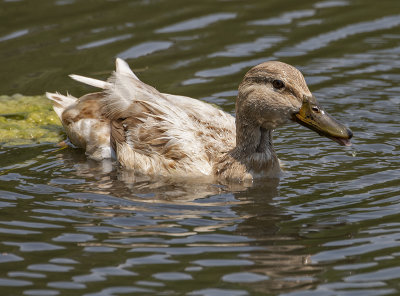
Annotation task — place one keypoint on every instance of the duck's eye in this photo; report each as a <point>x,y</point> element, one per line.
<point>278,84</point>
<point>315,109</point>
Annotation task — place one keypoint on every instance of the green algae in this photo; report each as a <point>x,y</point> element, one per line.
<point>26,120</point>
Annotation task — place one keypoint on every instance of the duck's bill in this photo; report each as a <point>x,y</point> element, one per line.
<point>311,115</point>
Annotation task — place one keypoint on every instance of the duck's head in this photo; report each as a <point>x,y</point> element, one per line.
<point>274,93</point>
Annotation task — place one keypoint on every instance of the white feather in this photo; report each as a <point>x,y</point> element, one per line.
<point>91,81</point>
<point>122,67</point>
<point>60,102</point>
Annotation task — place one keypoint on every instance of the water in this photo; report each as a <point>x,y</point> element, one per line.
<point>331,226</point>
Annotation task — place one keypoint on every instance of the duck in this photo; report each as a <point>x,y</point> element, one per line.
<point>158,134</point>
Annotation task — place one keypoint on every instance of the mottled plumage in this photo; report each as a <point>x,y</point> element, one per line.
<point>161,134</point>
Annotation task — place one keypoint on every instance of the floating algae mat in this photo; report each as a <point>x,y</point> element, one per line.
<point>26,120</point>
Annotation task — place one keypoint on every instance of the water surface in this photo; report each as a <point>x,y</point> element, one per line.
<point>330,226</point>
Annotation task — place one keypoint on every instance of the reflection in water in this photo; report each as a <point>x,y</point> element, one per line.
<point>157,223</point>
<point>167,207</point>
<point>282,258</point>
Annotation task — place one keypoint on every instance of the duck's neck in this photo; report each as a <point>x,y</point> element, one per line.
<point>254,148</point>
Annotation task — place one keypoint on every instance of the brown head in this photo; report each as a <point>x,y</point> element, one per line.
<point>274,93</point>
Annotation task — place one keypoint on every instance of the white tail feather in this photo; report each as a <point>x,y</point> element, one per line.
<point>125,91</point>
<point>91,81</point>
<point>122,67</point>
<point>60,102</point>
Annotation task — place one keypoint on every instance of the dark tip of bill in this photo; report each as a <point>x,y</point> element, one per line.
<point>349,133</point>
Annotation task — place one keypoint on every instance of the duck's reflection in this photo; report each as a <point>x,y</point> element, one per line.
<point>197,207</point>
<point>282,258</point>
<point>106,178</point>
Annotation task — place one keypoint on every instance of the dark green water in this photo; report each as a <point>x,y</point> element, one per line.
<point>331,226</point>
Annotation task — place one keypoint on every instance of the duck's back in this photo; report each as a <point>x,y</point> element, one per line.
<point>154,133</point>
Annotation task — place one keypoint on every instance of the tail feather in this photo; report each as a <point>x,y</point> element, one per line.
<point>122,67</point>
<point>127,90</point>
<point>121,89</point>
<point>91,81</point>
<point>60,102</point>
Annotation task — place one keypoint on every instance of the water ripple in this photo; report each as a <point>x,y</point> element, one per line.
<point>196,23</point>
<point>144,49</point>
<point>329,226</point>
<point>13,35</point>
<point>104,41</point>
<point>323,40</point>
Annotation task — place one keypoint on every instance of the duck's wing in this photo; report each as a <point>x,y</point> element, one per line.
<point>155,133</point>
<point>203,112</point>
<point>215,128</point>
<point>150,134</point>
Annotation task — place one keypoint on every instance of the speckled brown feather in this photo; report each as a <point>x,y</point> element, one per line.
<point>85,125</point>
<point>161,134</point>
